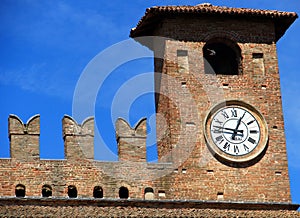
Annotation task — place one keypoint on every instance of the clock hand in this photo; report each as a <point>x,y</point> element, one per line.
<point>220,127</point>
<point>235,131</point>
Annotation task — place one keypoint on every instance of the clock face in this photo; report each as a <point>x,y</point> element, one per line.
<point>235,131</point>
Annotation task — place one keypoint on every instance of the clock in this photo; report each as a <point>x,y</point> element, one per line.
<point>235,131</point>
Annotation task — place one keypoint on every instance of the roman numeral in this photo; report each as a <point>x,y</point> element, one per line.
<point>226,146</point>
<point>253,131</point>
<point>246,147</point>
<point>220,139</point>
<point>236,149</point>
<point>251,140</point>
<point>233,113</point>
<point>219,122</point>
<point>216,130</point>
<point>250,122</point>
<point>225,114</point>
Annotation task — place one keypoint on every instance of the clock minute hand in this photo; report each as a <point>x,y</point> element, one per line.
<point>220,127</point>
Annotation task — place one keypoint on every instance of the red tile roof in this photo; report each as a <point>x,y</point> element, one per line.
<point>154,14</point>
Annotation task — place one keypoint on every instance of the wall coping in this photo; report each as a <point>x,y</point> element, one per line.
<point>109,202</point>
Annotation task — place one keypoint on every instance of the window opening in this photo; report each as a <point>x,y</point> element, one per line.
<point>98,192</point>
<point>149,193</point>
<point>20,190</point>
<point>258,64</point>
<point>182,61</point>
<point>161,194</point>
<point>257,55</point>
<point>220,196</point>
<point>222,56</point>
<point>182,52</point>
<point>72,191</point>
<point>123,192</point>
<point>46,191</point>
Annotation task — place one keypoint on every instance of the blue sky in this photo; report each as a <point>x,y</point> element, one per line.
<point>46,45</point>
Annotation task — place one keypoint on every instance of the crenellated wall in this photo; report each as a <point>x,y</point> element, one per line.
<point>79,172</point>
<point>78,139</point>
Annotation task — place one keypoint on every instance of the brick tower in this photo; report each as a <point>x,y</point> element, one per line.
<point>218,89</point>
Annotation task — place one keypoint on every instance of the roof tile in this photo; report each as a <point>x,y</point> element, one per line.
<point>287,18</point>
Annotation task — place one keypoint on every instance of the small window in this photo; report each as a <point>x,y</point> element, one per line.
<point>123,192</point>
<point>220,196</point>
<point>98,192</point>
<point>182,52</point>
<point>222,56</point>
<point>257,55</point>
<point>149,193</point>
<point>20,190</point>
<point>182,61</point>
<point>258,64</point>
<point>210,171</point>
<point>161,194</point>
<point>72,191</point>
<point>46,191</point>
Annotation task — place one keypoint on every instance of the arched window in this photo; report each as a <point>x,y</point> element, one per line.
<point>20,190</point>
<point>123,192</point>
<point>222,56</point>
<point>98,192</point>
<point>149,193</point>
<point>46,191</point>
<point>72,191</point>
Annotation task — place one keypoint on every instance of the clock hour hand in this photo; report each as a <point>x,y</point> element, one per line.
<point>235,131</point>
<point>220,127</point>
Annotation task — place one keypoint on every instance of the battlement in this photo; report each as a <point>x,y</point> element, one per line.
<point>24,138</point>
<point>25,174</point>
<point>78,139</point>
<point>131,141</point>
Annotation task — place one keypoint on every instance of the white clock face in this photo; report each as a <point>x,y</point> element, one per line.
<point>235,131</point>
